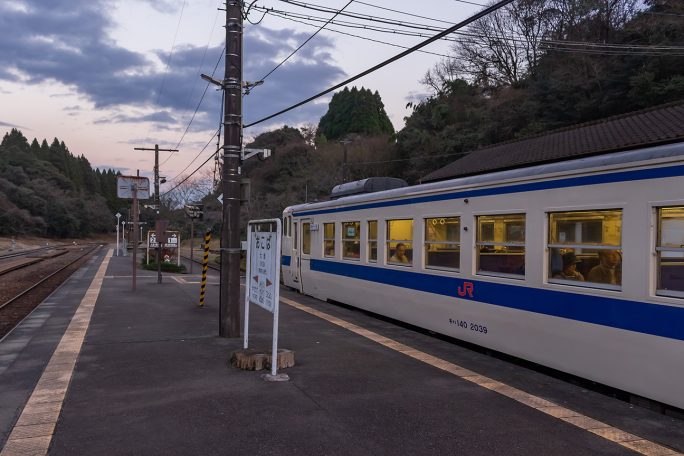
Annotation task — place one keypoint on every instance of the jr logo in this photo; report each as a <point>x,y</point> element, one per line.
<point>466,289</point>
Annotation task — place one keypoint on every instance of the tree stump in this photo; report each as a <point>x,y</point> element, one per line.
<point>256,359</point>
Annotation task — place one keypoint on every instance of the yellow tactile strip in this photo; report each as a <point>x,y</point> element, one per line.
<point>33,431</point>
<point>631,441</point>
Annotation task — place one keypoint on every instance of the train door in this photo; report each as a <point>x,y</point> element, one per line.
<point>293,270</point>
<point>304,258</point>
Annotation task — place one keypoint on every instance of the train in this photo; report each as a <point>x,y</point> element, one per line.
<point>576,265</point>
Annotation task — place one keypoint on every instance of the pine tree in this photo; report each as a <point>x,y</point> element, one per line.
<point>355,111</point>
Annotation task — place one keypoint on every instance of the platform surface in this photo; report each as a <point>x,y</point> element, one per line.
<point>151,376</point>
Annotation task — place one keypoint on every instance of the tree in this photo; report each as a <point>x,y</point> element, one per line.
<point>355,111</point>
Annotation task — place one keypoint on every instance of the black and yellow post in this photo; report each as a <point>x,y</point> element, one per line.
<point>205,267</point>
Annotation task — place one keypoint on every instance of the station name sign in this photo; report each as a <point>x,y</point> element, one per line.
<point>129,186</point>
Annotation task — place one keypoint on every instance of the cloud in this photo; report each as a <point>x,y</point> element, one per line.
<point>160,116</point>
<point>7,124</point>
<point>70,45</point>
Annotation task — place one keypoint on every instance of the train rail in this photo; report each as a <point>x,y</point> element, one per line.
<point>13,309</point>
<point>29,252</point>
<point>195,260</point>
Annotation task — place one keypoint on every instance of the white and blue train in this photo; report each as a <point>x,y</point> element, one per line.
<point>576,265</point>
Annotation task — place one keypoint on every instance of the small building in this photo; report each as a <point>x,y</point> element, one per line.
<point>654,126</point>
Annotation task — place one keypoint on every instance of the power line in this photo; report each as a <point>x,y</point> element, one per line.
<point>515,37</point>
<point>404,12</point>
<point>442,34</point>
<point>359,36</point>
<point>168,60</point>
<point>199,68</point>
<point>198,168</point>
<point>201,98</point>
<point>307,40</point>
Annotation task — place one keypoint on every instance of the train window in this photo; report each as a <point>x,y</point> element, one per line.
<point>501,244</point>
<point>585,247</point>
<point>442,242</point>
<point>670,251</point>
<point>329,239</point>
<point>306,238</point>
<point>351,240</point>
<point>373,241</point>
<point>400,242</point>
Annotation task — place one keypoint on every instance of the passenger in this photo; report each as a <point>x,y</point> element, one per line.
<point>607,271</point>
<point>399,254</point>
<point>570,271</point>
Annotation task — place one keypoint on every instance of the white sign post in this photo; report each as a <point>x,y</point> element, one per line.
<point>263,278</point>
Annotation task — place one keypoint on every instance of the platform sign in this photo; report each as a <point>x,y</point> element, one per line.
<point>169,245</point>
<point>127,185</point>
<point>263,266</point>
<point>263,274</point>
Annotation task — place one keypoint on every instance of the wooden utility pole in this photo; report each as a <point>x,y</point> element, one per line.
<point>156,150</point>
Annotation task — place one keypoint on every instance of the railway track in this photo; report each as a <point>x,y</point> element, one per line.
<point>23,290</point>
<point>195,260</point>
<point>23,253</point>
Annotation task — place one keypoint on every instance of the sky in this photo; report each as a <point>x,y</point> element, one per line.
<point>106,77</point>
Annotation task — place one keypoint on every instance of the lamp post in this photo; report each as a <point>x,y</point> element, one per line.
<point>123,237</point>
<point>118,216</point>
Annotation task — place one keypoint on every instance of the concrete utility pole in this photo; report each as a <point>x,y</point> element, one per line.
<point>156,170</point>
<point>229,308</point>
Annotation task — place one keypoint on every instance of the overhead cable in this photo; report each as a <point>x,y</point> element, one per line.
<point>420,45</point>
<point>307,40</point>
<point>198,168</point>
<point>358,36</point>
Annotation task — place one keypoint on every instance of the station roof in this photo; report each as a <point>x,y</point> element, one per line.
<point>653,126</point>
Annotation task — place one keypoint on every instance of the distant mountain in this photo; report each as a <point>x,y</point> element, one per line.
<point>47,191</point>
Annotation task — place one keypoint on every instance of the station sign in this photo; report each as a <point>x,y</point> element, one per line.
<point>263,256</point>
<point>126,186</point>
<point>171,240</point>
<point>194,211</point>
<point>263,277</point>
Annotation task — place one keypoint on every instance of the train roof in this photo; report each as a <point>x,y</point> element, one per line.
<point>657,154</point>
<point>649,127</point>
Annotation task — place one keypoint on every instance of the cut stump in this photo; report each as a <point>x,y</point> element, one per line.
<point>255,359</point>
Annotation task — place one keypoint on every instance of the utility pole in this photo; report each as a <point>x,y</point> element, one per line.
<point>229,309</point>
<point>156,170</point>
<point>229,305</point>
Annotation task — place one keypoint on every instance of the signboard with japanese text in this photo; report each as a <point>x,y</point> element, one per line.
<point>264,261</point>
<point>263,275</point>
<point>169,246</point>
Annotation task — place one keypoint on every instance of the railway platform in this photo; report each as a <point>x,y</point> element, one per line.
<point>100,369</point>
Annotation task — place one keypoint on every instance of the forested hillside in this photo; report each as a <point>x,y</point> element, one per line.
<point>538,65</point>
<point>532,67</point>
<point>47,191</point>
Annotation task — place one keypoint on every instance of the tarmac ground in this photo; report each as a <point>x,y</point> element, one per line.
<point>99,369</point>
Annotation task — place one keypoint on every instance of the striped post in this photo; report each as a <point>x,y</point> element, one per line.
<point>205,267</point>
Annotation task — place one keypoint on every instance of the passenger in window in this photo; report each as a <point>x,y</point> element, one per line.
<point>399,254</point>
<point>608,269</point>
<point>570,271</point>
